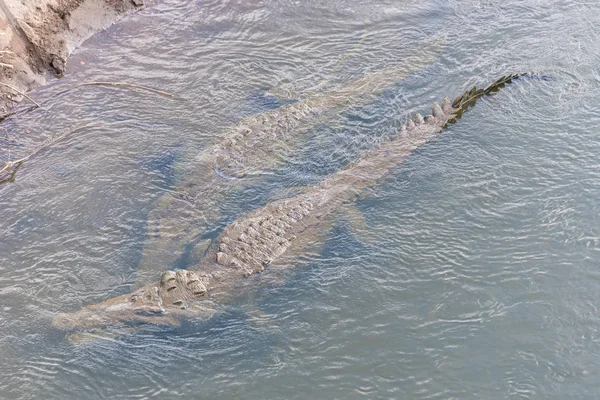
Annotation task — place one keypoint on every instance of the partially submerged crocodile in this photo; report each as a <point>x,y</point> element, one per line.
<point>265,237</point>
<point>252,147</point>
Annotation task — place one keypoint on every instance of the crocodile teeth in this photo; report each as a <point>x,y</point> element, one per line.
<point>418,119</point>
<point>410,124</point>
<point>402,127</point>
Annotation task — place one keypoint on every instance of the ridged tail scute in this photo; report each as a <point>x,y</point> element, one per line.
<point>462,103</point>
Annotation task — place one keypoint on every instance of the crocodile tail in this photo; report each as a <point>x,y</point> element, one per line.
<point>468,99</point>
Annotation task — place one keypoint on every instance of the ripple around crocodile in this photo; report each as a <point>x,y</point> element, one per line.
<point>262,237</point>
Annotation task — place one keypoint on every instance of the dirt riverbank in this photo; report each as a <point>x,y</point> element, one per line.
<point>37,36</point>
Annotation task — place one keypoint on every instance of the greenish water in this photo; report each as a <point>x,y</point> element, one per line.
<point>478,276</point>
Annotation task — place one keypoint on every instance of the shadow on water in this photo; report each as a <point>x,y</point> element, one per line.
<point>261,100</point>
<point>162,164</point>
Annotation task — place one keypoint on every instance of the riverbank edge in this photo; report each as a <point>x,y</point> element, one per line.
<point>36,39</point>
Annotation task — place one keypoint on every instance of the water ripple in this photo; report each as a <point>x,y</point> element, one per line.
<point>474,275</point>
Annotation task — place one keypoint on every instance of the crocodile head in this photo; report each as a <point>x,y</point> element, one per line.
<point>178,294</point>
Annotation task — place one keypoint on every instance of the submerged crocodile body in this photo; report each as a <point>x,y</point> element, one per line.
<point>252,147</point>
<point>264,237</point>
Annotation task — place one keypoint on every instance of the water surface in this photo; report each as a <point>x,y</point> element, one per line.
<point>476,278</point>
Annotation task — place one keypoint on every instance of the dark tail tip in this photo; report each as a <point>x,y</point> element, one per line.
<point>470,97</point>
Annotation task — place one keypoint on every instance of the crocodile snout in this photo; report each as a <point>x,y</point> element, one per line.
<point>84,319</point>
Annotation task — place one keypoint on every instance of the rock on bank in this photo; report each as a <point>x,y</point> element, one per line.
<point>37,36</point>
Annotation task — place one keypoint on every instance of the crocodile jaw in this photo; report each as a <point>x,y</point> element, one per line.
<point>178,294</point>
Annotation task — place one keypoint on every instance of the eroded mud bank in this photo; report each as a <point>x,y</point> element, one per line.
<point>37,36</point>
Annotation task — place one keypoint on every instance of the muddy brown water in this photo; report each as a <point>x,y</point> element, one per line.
<point>478,273</point>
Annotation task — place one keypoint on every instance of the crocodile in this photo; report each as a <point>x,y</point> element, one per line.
<point>265,238</point>
<point>252,147</point>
